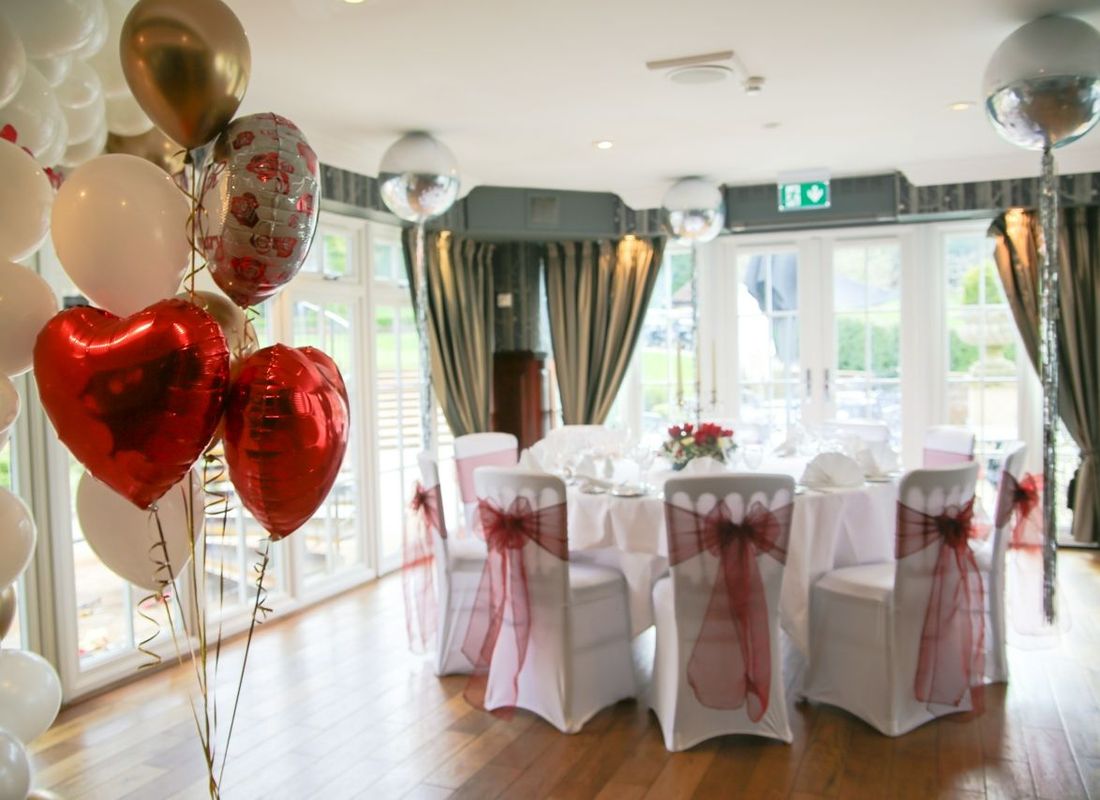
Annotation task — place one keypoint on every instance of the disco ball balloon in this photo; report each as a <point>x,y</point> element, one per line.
<point>418,177</point>
<point>1042,86</point>
<point>694,210</point>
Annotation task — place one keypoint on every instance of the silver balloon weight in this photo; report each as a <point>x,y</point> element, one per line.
<point>694,210</point>
<point>418,177</point>
<point>1042,86</point>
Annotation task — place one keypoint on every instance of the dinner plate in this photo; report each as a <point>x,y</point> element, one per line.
<point>628,491</point>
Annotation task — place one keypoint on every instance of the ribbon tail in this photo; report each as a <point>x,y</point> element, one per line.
<point>486,620</point>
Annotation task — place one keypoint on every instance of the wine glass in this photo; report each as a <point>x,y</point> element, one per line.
<point>754,455</point>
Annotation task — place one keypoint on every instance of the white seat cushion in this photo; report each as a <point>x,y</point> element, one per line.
<point>983,553</point>
<point>589,582</point>
<point>466,555</point>
<point>869,581</point>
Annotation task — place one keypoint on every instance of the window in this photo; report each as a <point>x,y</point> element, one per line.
<point>7,480</point>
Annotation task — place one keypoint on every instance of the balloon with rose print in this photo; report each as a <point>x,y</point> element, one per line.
<point>260,206</point>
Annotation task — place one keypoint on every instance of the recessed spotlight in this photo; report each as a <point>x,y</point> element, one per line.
<point>354,2</point>
<point>962,105</point>
<point>603,144</point>
<point>771,126</point>
<point>753,85</point>
<point>696,74</point>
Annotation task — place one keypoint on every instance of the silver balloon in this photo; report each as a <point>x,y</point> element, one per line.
<point>1042,86</point>
<point>418,177</point>
<point>7,610</point>
<point>694,210</point>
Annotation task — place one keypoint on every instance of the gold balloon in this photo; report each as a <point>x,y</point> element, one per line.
<point>153,146</point>
<point>239,333</point>
<point>187,63</point>
<point>7,610</point>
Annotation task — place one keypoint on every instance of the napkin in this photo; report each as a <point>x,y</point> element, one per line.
<point>586,467</point>
<point>704,465</point>
<point>877,459</point>
<point>832,470</point>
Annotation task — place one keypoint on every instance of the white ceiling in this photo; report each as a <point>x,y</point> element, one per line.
<point>520,89</point>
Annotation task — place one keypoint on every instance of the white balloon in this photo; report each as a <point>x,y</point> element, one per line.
<point>34,113</point>
<point>25,200</point>
<point>9,405</point>
<point>55,68</point>
<point>84,121</point>
<point>53,152</point>
<point>108,62</point>
<point>50,27</point>
<point>80,88</point>
<point>119,229</point>
<point>15,768</point>
<point>26,304</point>
<point>99,32</point>
<point>17,537</point>
<point>125,537</point>
<point>77,154</point>
<point>13,62</point>
<point>30,694</point>
<point>125,117</point>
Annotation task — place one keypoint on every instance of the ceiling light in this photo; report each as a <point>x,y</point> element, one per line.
<point>771,126</point>
<point>699,73</point>
<point>753,85</point>
<point>962,105</point>
<point>353,2</point>
<point>603,144</point>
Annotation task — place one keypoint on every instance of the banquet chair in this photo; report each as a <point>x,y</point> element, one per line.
<point>577,657</point>
<point>990,554</point>
<point>708,658</point>
<point>458,566</point>
<point>870,652</point>
<point>945,445</point>
<point>480,450</point>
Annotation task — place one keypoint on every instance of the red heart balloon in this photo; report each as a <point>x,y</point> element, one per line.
<point>136,400</point>
<point>286,432</point>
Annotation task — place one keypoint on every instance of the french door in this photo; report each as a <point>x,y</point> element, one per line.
<point>806,329</point>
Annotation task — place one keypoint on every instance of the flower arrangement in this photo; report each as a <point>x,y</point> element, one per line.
<point>688,441</point>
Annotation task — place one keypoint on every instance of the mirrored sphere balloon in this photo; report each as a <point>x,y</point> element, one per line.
<point>694,210</point>
<point>1042,86</point>
<point>418,177</point>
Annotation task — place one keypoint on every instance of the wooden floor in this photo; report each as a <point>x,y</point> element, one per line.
<point>335,707</point>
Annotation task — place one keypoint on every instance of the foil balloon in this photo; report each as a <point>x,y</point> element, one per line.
<point>240,336</point>
<point>187,64</point>
<point>260,206</point>
<point>694,210</point>
<point>286,432</point>
<point>135,399</point>
<point>1042,86</point>
<point>418,177</point>
<point>154,146</point>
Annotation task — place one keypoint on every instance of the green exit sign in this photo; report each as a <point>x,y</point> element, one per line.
<point>803,196</point>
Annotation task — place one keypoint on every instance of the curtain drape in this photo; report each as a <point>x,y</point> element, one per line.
<point>1018,240</point>
<point>460,325</point>
<point>597,293</point>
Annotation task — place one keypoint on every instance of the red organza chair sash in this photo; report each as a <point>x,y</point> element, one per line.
<point>952,646</point>
<point>1023,500</point>
<point>730,664</point>
<point>945,458</point>
<point>504,584</point>
<point>465,468</point>
<point>425,519</point>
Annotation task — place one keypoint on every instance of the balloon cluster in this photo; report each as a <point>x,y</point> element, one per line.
<point>143,383</point>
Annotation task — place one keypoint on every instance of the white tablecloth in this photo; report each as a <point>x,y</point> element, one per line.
<point>829,530</point>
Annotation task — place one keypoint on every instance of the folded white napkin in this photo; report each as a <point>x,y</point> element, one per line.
<point>877,459</point>
<point>704,465</point>
<point>528,460</point>
<point>832,470</point>
<point>586,466</point>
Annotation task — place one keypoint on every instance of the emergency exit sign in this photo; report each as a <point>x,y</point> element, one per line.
<point>803,195</point>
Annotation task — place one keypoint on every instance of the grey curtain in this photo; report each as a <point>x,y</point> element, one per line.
<point>597,293</point>
<point>1018,238</point>
<point>460,325</point>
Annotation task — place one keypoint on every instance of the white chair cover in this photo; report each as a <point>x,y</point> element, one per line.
<point>480,450</point>
<point>991,560</point>
<point>944,446</point>
<point>681,603</point>
<point>866,622</point>
<point>578,657</point>
<point>458,565</point>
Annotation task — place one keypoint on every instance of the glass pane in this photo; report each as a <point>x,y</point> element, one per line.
<point>964,340</point>
<point>337,262</point>
<point>849,279</point>
<point>999,340</point>
<point>885,344</point>
<point>851,344</point>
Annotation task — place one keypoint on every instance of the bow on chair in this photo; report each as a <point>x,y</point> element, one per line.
<point>1023,500</point>
<point>952,647</point>
<point>503,585</point>
<point>730,664</point>
<point>418,563</point>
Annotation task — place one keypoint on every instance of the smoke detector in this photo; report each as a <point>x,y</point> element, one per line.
<point>707,68</point>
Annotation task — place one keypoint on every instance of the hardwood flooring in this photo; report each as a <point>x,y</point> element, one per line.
<point>335,707</point>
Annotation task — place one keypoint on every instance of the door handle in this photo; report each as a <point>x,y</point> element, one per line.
<point>828,395</point>
<point>809,382</point>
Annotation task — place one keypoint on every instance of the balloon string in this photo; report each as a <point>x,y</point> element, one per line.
<point>217,505</point>
<point>196,232</point>
<point>259,609</point>
<point>154,659</point>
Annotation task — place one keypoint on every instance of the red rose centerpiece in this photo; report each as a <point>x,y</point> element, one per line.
<point>689,441</point>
